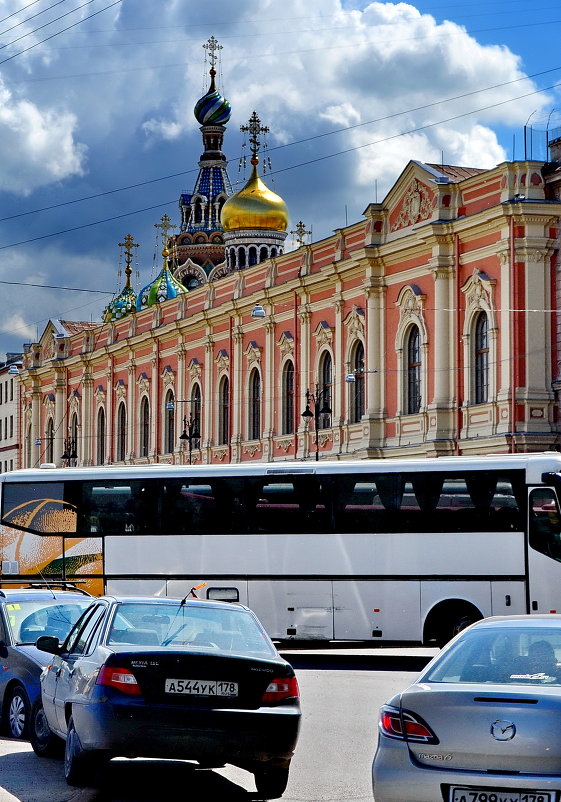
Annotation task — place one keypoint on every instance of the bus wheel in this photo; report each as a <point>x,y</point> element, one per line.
<point>446,620</point>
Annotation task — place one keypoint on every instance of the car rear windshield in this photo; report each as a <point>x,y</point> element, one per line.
<point>28,620</point>
<point>503,655</point>
<point>181,625</point>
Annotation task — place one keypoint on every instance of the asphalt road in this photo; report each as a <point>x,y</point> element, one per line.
<point>341,692</point>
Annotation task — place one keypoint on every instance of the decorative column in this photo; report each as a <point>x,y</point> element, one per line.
<point>132,412</point>
<point>375,362</point>
<point>304,380</point>
<point>209,400</point>
<point>36,432</point>
<point>87,418</point>
<point>60,418</point>
<point>155,410</point>
<point>236,391</point>
<point>270,395</point>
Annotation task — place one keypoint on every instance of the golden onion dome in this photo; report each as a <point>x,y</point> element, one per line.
<point>254,206</point>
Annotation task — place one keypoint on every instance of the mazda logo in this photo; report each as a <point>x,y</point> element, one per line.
<point>503,730</point>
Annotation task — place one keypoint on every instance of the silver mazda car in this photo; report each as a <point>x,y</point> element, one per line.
<point>482,723</point>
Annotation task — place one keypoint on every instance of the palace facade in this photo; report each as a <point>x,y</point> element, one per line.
<point>430,327</point>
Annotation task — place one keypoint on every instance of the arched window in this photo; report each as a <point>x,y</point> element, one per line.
<point>413,371</point>
<point>100,436</point>
<point>232,257</point>
<point>481,361</point>
<point>241,257</point>
<point>196,413</point>
<point>325,390</point>
<point>169,423</point>
<point>273,251</point>
<point>357,388</point>
<point>50,444</point>
<point>288,398</point>
<point>224,411</point>
<point>198,216</point>
<point>263,254</point>
<point>254,405</point>
<point>144,427</point>
<point>121,432</point>
<point>252,253</point>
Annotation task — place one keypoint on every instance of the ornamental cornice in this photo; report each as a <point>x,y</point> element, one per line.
<point>286,343</point>
<point>49,404</point>
<point>530,254</point>
<point>411,301</point>
<point>99,395</point>
<point>222,360</point>
<point>253,353</point>
<point>252,449</point>
<point>478,290</point>
<point>195,369</point>
<point>168,378</point>
<point>325,437</point>
<point>354,323</point>
<point>417,205</point>
<point>120,390</point>
<point>285,444</point>
<point>221,453</point>
<point>323,333</point>
<point>143,383</point>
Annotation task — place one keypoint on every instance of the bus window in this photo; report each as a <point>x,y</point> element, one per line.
<point>545,523</point>
<point>37,507</point>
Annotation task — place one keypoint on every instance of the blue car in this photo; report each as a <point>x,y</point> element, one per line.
<point>26,614</point>
<point>168,678</point>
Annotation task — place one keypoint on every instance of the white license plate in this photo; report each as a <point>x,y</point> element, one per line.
<point>462,794</point>
<point>202,687</point>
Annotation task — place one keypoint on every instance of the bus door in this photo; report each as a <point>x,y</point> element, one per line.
<point>544,551</point>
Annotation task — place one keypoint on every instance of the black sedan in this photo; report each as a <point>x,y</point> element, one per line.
<point>168,678</point>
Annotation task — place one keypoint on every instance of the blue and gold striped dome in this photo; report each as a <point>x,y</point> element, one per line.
<point>212,108</point>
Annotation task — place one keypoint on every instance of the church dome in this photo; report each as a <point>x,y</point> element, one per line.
<point>164,287</point>
<point>121,306</point>
<point>255,207</point>
<point>212,108</point>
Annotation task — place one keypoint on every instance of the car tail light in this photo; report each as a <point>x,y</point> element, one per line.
<point>120,678</point>
<point>405,726</point>
<point>281,688</point>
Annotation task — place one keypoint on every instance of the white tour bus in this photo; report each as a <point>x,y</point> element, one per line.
<point>406,550</point>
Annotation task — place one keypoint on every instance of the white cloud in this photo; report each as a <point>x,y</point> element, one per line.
<point>40,144</point>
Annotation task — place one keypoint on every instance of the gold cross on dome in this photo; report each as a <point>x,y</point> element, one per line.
<point>300,233</point>
<point>128,245</point>
<point>212,47</point>
<point>254,128</point>
<point>166,226</point>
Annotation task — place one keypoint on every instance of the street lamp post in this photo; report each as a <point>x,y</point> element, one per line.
<point>190,431</point>
<point>69,455</point>
<point>315,400</point>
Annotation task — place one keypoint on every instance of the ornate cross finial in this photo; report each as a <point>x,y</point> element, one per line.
<point>300,233</point>
<point>212,47</point>
<point>166,225</point>
<point>128,245</point>
<point>254,128</point>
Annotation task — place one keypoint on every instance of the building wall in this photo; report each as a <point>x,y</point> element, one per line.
<point>9,420</point>
<point>434,257</point>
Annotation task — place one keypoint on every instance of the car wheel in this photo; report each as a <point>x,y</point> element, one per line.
<point>271,781</point>
<point>79,765</point>
<point>16,713</point>
<point>43,740</point>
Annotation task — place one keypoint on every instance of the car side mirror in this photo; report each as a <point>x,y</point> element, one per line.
<point>48,643</point>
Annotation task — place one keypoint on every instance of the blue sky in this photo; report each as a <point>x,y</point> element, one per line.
<point>99,140</point>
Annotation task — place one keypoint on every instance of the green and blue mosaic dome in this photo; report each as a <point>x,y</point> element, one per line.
<point>121,306</point>
<point>164,287</point>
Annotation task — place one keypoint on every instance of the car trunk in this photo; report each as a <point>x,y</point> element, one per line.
<point>488,728</point>
<point>200,679</point>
